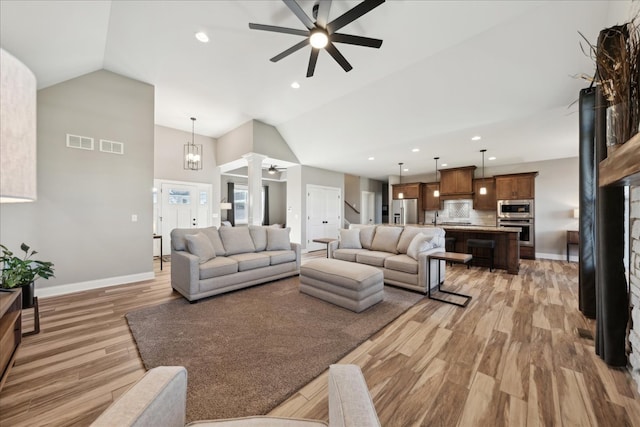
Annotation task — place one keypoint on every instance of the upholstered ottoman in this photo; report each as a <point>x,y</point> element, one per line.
<point>353,286</point>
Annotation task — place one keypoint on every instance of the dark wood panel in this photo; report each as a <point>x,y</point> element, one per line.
<point>486,202</point>
<point>622,167</point>
<point>506,252</point>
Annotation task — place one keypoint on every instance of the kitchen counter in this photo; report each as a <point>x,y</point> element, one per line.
<point>506,252</point>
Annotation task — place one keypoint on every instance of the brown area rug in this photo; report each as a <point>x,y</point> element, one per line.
<point>247,351</point>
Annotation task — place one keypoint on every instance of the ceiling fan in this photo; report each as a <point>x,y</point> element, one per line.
<point>273,169</point>
<point>322,34</point>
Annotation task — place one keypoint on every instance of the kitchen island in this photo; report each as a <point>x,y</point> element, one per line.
<point>507,250</point>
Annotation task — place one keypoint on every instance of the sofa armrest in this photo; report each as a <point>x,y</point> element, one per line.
<point>185,272</point>
<point>297,248</point>
<point>350,403</point>
<point>159,398</point>
<point>332,246</point>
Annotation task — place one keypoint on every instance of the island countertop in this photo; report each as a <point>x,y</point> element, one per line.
<point>488,228</point>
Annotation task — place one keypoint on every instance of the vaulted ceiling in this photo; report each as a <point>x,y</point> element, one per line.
<point>447,70</point>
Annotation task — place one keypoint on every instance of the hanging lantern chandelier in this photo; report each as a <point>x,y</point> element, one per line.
<point>193,151</point>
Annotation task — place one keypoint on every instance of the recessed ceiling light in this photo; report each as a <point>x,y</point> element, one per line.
<point>415,150</point>
<point>372,158</point>
<point>202,37</point>
<point>406,169</point>
<point>476,138</point>
<point>295,85</point>
<point>444,164</point>
<point>492,158</point>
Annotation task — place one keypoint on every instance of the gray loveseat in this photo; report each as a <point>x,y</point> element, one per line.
<point>210,261</point>
<point>400,252</point>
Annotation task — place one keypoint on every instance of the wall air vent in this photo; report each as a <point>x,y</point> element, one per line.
<point>112,147</point>
<point>80,142</point>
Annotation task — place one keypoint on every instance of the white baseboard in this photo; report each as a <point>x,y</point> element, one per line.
<point>558,257</point>
<point>92,284</point>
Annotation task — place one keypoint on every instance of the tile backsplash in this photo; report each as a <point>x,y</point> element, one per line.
<point>462,211</point>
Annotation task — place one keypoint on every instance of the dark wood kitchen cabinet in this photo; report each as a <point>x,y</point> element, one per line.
<point>429,201</point>
<point>457,181</point>
<point>515,186</point>
<point>484,202</point>
<point>409,191</point>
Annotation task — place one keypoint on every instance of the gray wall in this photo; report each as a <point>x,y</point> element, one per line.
<point>232,145</point>
<point>352,195</point>
<point>82,218</point>
<point>168,152</point>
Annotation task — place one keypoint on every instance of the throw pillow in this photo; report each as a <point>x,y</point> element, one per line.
<point>349,239</point>
<point>278,239</point>
<point>236,240</point>
<point>420,243</point>
<point>199,245</point>
<point>214,236</point>
<point>406,237</point>
<point>386,239</point>
<point>366,235</point>
<point>259,236</point>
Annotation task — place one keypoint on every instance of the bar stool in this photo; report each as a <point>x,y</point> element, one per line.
<point>484,244</point>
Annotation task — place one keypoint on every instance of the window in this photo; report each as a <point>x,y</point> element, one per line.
<point>203,198</point>
<point>179,197</point>
<point>241,204</point>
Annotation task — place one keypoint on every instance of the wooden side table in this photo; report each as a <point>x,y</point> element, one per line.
<point>159,236</point>
<point>573,238</point>
<point>326,241</point>
<point>452,257</point>
<point>10,329</point>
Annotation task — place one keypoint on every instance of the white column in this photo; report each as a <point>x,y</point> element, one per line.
<point>254,162</point>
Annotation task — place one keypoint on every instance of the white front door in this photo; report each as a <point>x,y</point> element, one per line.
<point>323,214</point>
<point>180,203</point>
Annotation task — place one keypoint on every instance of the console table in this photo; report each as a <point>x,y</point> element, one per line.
<point>452,257</point>
<point>573,238</point>
<point>10,329</point>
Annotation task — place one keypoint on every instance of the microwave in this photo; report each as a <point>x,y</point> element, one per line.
<point>515,208</point>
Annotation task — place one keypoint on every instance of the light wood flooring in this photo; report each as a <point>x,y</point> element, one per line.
<point>514,356</point>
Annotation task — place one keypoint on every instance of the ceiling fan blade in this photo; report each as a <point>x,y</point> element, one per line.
<point>275,29</point>
<point>312,62</point>
<point>323,13</point>
<point>289,51</point>
<point>335,53</point>
<point>352,14</point>
<point>297,10</point>
<point>357,40</point>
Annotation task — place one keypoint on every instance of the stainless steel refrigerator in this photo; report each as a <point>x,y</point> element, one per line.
<point>405,211</point>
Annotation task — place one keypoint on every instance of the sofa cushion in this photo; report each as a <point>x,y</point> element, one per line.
<point>366,235</point>
<point>251,260</point>
<point>199,245</point>
<point>214,236</point>
<point>420,243</point>
<point>280,257</point>
<point>386,239</point>
<point>401,262</point>
<point>236,240</point>
<point>406,237</point>
<point>375,258</point>
<point>259,236</point>
<point>278,239</point>
<point>347,254</point>
<point>218,266</point>
<point>349,239</point>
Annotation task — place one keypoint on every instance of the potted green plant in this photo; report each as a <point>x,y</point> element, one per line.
<point>17,271</point>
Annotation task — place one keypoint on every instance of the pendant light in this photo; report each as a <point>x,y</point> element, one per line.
<point>436,193</point>
<point>483,189</point>
<point>193,151</point>
<point>400,195</point>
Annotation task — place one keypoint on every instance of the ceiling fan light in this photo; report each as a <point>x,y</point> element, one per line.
<point>272,171</point>
<point>318,39</point>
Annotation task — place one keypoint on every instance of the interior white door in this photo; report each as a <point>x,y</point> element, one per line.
<point>323,214</point>
<point>367,206</point>
<point>179,210</point>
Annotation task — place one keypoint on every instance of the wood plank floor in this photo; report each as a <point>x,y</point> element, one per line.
<point>513,356</point>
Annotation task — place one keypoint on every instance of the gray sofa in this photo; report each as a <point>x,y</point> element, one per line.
<point>210,261</point>
<point>159,398</point>
<point>400,252</point>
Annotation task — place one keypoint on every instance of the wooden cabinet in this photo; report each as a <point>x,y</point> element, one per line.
<point>484,202</point>
<point>10,330</point>
<point>515,186</point>
<point>429,202</point>
<point>409,191</point>
<point>457,181</point>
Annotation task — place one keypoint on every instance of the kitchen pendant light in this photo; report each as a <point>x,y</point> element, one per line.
<point>400,195</point>
<point>193,151</point>
<point>436,193</point>
<point>483,189</point>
